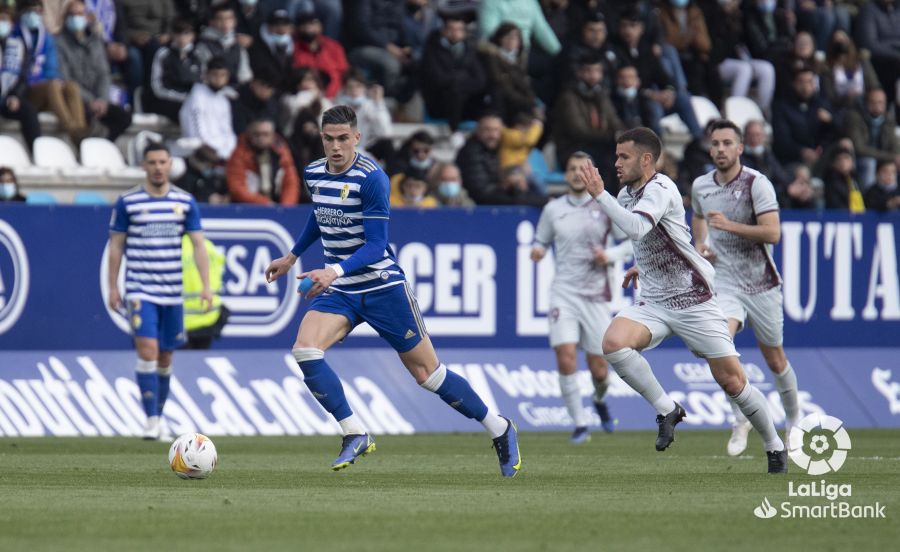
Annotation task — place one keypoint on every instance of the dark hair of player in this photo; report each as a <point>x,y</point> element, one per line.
<point>644,139</point>
<point>339,115</point>
<point>722,124</point>
<point>155,146</point>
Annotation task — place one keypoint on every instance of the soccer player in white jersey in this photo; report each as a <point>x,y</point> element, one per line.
<point>735,207</point>
<point>580,234</point>
<point>677,295</point>
<point>362,282</point>
<point>147,225</point>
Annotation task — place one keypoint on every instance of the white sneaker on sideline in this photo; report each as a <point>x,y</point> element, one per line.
<point>151,430</point>
<point>738,441</point>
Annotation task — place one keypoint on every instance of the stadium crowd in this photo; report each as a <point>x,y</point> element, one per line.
<point>250,79</point>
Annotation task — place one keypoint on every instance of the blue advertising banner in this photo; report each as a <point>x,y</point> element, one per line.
<point>93,393</point>
<point>470,270</point>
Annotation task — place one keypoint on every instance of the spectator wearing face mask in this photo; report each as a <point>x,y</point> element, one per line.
<point>415,154</point>
<point>219,39</point>
<point>176,69</point>
<point>842,187</point>
<point>313,50</point>
<point>305,95</point>
<point>14,81</point>
<point>884,194</point>
<point>47,91</point>
<point>632,105</point>
<point>206,114</point>
<point>273,53</point>
<point>757,155</point>
<point>82,59</point>
<point>261,169</point>
<point>9,188</point>
<point>414,194</point>
<point>447,183</point>
<point>372,115</point>
<point>203,178</point>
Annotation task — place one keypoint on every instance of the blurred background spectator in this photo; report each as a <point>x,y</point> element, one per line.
<point>9,187</point>
<point>206,114</point>
<point>13,81</point>
<point>176,68</point>
<point>203,177</point>
<point>884,194</point>
<point>313,50</point>
<point>261,169</point>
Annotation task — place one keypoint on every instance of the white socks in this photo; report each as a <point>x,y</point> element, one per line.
<point>571,395</point>
<point>635,371</point>
<point>755,407</point>
<point>786,383</point>
<point>495,424</point>
<point>352,425</point>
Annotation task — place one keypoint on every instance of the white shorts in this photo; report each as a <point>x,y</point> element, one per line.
<point>702,327</point>
<point>578,320</point>
<point>764,312</point>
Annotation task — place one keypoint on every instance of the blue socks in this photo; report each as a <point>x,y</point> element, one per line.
<point>148,383</point>
<point>323,382</point>
<point>164,375</point>
<point>454,390</point>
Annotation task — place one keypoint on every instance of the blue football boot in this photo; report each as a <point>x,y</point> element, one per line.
<point>507,447</point>
<point>352,447</point>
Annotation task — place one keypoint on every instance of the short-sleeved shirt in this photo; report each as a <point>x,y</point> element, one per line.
<point>341,201</point>
<point>154,227</point>
<point>574,229</point>
<point>742,265</point>
<point>672,273</point>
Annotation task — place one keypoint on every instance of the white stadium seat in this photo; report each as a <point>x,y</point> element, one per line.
<point>741,110</point>
<point>705,110</point>
<point>53,153</point>
<point>14,155</point>
<point>100,153</point>
<point>138,143</point>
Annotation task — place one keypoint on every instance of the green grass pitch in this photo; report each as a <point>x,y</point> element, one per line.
<point>432,492</point>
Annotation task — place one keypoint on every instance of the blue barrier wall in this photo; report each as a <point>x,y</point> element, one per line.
<point>469,269</point>
<point>261,392</point>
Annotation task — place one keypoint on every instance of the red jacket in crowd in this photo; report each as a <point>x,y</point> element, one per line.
<point>242,174</point>
<point>329,59</point>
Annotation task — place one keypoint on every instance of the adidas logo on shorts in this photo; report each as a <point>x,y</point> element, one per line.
<point>409,334</point>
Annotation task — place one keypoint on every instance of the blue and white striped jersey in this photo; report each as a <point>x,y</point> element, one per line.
<point>154,227</point>
<point>341,202</point>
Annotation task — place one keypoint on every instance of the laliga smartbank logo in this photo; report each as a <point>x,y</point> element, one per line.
<point>819,445</point>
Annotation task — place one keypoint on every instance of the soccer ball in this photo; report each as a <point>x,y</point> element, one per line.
<point>193,456</point>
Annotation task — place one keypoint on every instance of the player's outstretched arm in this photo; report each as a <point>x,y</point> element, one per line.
<point>631,278</point>
<point>279,267</point>
<point>766,230</point>
<point>634,225</point>
<point>700,231</point>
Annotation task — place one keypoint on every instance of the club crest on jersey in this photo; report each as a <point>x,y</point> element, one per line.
<point>737,194</point>
<point>179,209</point>
<point>345,191</point>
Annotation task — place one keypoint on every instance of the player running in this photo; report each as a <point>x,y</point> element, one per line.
<point>147,225</point>
<point>736,208</point>
<point>362,282</point>
<point>677,296</point>
<point>579,232</point>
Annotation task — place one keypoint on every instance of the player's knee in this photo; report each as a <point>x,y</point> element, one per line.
<point>307,354</point>
<point>612,343</point>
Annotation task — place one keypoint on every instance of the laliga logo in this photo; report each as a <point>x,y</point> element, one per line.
<point>819,444</point>
<point>257,309</point>
<point>14,291</point>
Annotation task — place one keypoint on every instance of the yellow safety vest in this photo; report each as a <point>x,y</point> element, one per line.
<point>195,317</point>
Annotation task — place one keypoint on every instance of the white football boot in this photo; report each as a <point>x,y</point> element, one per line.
<point>738,441</point>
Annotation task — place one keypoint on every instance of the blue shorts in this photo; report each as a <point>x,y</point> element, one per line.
<point>165,323</point>
<point>393,312</point>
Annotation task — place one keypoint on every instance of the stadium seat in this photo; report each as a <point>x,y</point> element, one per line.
<point>541,170</point>
<point>741,110</point>
<point>53,153</point>
<point>705,110</point>
<point>13,155</point>
<point>40,198</point>
<point>138,143</point>
<point>179,167</point>
<point>89,198</point>
<point>185,146</point>
<point>100,153</point>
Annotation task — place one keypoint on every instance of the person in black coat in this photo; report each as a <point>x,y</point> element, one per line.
<point>452,76</point>
<point>802,124</point>
<point>884,194</point>
<point>479,163</point>
<point>272,52</point>
<point>256,100</point>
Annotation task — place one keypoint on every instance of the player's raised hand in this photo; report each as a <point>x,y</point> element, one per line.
<point>631,278</point>
<point>593,182</point>
<point>322,279</point>
<point>706,252</point>
<point>717,220</point>
<point>600,258</point>
<point>279,267</point>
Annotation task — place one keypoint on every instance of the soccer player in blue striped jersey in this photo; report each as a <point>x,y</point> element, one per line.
<point>362,282</point>
<point>147,225</point>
